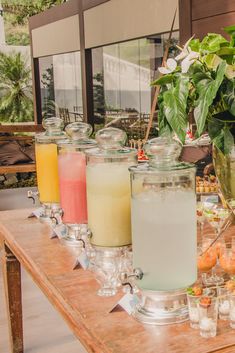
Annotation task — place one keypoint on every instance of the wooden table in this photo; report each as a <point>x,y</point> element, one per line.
<point>73,294</point>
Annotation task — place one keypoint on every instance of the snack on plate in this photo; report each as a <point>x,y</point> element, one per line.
<point>205,302</point>
<point>142,156</point>
<point>195,291</point>
<point>207,184</point>
<point>230,285</point>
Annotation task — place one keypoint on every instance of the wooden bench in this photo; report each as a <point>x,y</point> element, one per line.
<point>24,167</point>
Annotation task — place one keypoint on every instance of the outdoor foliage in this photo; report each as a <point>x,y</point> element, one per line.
<point>202,85</point>
<point>16,104</point>
<point>16,14</point>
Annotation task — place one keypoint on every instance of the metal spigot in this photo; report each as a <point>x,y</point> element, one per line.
<point>56,215</point>
<point>136,274</point>
<point>31,195</point>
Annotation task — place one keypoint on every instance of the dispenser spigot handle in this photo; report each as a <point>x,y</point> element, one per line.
<point>56,215</point>
<point>31,195</point>
<point>136,274</point>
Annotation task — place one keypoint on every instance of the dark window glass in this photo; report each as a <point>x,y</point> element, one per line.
<point>122,76</point>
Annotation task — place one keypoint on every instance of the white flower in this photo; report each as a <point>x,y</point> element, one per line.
<point>184,51</point>
<point>188,61</point>
<point>171,65</point>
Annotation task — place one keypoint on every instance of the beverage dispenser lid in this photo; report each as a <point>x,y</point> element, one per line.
<point>164,153</point>
<point>79,134</point>
<point>111,141</point>
<point>54,130</point>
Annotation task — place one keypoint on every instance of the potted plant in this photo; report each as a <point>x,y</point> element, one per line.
<point>200,83</point>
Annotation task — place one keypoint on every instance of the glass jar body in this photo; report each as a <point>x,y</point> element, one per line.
<point>72,184</point>
<point>108,198</point>
<point>164,227</point>
<point>47,171</point>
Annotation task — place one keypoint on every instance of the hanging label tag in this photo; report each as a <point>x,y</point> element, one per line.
<point>82,261</point>
<point>128,303</point>
<point>36,213</point>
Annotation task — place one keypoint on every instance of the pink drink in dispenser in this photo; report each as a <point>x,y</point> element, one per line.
<point>72,171</point>
<point>72,179</point>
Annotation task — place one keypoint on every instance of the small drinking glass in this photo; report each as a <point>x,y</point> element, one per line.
<point>232,310</point>
<point>193,310</point>
<point>200,216</point>
<point>206,260</point>
<point>227,258</point>
<point>208,313</point>
<point>224,306</point>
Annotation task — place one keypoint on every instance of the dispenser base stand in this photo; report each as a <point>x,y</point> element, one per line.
<point>162,307</point>
<point>76,235</point>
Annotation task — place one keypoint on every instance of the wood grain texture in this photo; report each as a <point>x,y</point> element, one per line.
<point>202,8</point>
<point>44,329</point>
<point>73,294</point>
<point>185,20</point>
<point>21,128</point>
<point>213,24</point>
<point>12,282</point>
<point>18,168</point>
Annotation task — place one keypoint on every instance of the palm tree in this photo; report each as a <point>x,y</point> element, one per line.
<point>16,102</point>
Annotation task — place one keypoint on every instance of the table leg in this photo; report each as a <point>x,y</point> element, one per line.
<point>12,282</point>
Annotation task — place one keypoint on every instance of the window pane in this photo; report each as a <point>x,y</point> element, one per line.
<point>61,87</point>
<point>122,76</point>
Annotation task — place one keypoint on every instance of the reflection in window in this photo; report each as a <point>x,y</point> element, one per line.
<point>122,74</point>
<point>61,87</point>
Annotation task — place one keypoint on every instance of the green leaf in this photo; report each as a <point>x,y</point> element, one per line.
<point>212,42</point>
<point>229,96</point>
<point>221,136</point>
<point>228,140</point>
<point>225,116</point>
<point>195,45</point>
<point>164,80</point>
<point>212,61</point>
<point>226,51</point>
<point>207,89</point>
<point>175,107</point>
<point>163,125</point>
<point>214,128</point>
<point>231,31</point>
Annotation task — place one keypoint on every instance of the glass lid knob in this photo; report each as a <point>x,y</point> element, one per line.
<point>162,149</point>
<point>78,130</point>
<point>53,124</point>
<point>111,138</point>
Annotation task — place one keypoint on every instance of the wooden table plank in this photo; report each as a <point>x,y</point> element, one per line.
<point>73,293</point>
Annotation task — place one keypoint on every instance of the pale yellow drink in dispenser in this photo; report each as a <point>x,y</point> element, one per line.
<point>108,189</point>
<point>47,160</point>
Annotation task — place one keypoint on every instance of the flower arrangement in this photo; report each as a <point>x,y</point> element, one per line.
<point>200,82</point>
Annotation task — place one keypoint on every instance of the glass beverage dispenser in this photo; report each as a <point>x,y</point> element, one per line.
<point>72,181</point>
<point>47,164</point>
<point>108,201</point>
<point>163,232</point>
